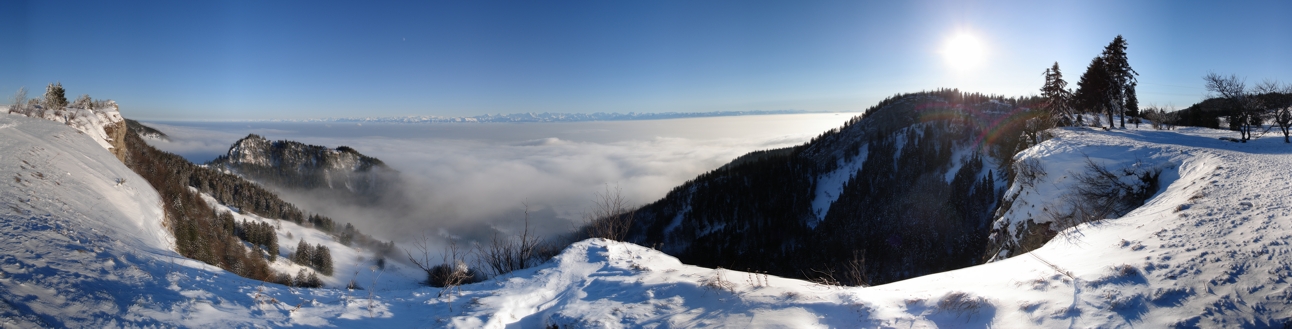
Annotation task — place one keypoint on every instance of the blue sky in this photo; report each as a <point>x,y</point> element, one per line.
<point>178,60</point>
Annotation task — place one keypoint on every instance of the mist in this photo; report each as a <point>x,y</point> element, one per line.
<point>471,180</point>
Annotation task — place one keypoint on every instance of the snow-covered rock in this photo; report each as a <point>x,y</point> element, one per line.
<point>1044,198</point>
<point>104,124</point>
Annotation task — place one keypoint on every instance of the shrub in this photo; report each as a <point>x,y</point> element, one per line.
<point>449,276</point>
<point>960,303</point>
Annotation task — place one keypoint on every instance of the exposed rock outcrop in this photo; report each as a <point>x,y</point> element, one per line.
<point>294,165</point>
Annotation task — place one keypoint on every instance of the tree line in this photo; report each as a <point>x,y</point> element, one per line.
<point>213,237</point>
<point>1108,87</point>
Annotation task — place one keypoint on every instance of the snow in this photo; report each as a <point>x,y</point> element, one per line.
<point>677,220</point>
<point>1065,156</point>
<point>347,263</point>
<point>1210,250</point>
<point>830,185</point>
<point>89,121</point>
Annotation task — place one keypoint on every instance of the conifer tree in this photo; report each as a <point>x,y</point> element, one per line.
<point>1092,88</point>
<point>304,253</point>
<point>1132,106</point>
<point>55,100</point>
<point>1109,83</point>
<point>322,259</point>
<point>1058,99</point>
<point>1121,78</point>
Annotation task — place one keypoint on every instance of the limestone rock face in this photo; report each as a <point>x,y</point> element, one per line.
<point>292,165</point>
<point>116,133</point>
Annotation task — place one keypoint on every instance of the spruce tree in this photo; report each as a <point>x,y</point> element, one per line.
<point>55,100</point>
<point>1092,88</point>
<point>323,259</point>
<point>1132,105</point>
<point>1058,99</point>
<point>1121,77</point>
<point>304,253</point>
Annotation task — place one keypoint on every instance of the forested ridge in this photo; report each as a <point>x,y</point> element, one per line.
<point>215,238</point>
<point>920,202</point>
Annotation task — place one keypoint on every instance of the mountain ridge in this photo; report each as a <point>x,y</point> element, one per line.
<point>853,195</point>
<point>295,165</point>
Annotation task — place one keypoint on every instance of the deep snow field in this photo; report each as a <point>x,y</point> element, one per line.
<point>84,246</point>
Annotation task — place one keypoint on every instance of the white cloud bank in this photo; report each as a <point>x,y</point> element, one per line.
<point>464,176</point>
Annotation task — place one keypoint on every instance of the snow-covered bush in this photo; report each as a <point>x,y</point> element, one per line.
<point>448,276</point>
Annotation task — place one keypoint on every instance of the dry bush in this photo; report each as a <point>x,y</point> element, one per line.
<point>1101,193</point>
<point>451,272</point>
<point>1029,171</point>
<point>851,273</point>
<point>1125,270</point>
<point>854,270</point>
<point>961,303</point>
<point>717,282</point>
<point>506,254</point>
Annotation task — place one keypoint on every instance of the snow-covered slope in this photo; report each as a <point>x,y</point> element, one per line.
<point>81,248</point>
<point>77,224</point>
<point>84,245</point>
<point>1210,250</point>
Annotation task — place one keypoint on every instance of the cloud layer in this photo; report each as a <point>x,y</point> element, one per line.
<point>469,179</point>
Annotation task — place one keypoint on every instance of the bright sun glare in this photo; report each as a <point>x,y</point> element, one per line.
<point>963,51</point>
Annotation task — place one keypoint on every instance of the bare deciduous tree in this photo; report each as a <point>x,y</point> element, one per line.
<point>1158,117</point>
<point>504,254</point>
<point>1240,104</point>
<point>20,105</point>
<point>611,216</point>
<point>1276,99</point>
<point>452,271</point>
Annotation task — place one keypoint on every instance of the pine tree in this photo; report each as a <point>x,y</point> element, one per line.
<point>1092,88</point>
<point>1132,105</point>
<point>1058,99</point>
<point>1121,78</point>
<point>304,253</point>
<point>55,100</point>
<point>323,259</point>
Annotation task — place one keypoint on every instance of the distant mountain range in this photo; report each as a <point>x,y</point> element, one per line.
<point>547,117</point>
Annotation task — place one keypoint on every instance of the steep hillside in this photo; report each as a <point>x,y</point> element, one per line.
<point>906,189</point>
<point>146,131</point>
<point>85,244</point>
<point>294,165</point>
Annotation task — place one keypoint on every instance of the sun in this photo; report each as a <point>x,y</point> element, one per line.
<point>963,51</point>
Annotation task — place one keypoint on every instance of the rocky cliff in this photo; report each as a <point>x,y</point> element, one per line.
<point>294,165</point>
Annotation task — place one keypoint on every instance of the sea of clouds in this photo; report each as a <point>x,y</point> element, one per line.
<point>470,180</point>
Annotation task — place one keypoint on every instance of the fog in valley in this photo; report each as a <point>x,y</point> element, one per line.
<point>470,180</point>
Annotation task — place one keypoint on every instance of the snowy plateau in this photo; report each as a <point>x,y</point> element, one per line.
<point>84,245</point>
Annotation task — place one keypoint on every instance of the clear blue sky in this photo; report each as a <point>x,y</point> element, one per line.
<point>278,59</point>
